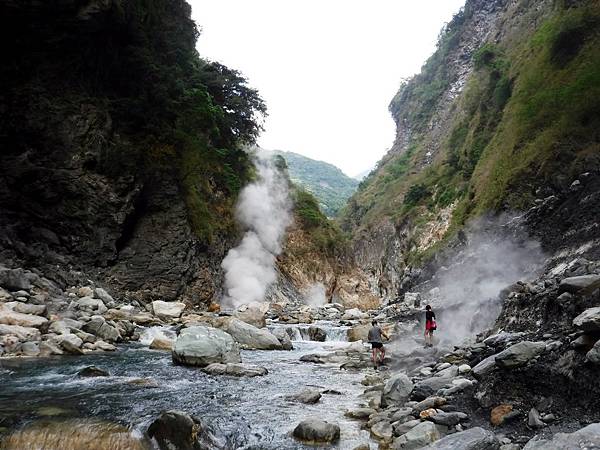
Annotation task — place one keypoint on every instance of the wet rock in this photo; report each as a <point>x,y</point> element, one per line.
<point>201,346</point>
<point>589,320</point>
<point>93,371</point>
<point>161,344</point>
<point>317,334</point>
<point>308,396</point>
<point>584,284</point>
<point>248,336</point>
<point>593,355</point>
<point>235,370</point>
<point>471,439</point>
<point>534,420</point>
<point>283,338</point>
<point>421,435</point>
<point>167,310</point>
<point>315,431</point>
<point>588,437</point>
<point>312,358</point>
<point>10,317</point>
<point>397,390</point>
<point>175,430</point>
<point>518,355</point>
<point>360,413</point>
<point>104,346</point>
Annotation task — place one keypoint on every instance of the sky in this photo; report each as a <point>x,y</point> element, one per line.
<point>327,69</point>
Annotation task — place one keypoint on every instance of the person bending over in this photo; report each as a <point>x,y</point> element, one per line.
<point>375,339</point>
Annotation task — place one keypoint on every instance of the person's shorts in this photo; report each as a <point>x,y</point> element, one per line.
<point>376,345</point>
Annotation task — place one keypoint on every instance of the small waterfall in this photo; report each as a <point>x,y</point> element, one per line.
<point>149,334</point>
<point>302,332</point>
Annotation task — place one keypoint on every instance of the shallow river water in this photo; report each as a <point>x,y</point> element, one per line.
<point>245,412</point>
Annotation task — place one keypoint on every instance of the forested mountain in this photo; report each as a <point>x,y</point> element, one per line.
<point>326,182</point>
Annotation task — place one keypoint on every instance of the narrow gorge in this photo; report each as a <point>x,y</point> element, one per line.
<point>165,283</point>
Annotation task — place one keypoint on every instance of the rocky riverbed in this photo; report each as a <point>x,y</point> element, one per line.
<point>290,376</point>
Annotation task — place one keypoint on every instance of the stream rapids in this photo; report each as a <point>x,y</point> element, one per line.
<point>48,402</point>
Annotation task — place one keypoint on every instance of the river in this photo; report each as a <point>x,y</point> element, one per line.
<point>244,413</point>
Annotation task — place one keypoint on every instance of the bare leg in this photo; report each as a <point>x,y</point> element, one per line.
<point>382,351</point>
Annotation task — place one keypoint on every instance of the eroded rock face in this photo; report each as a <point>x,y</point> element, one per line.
<point>201,346</point>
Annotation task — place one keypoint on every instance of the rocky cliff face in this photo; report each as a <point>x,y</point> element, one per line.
<point>480,131</point>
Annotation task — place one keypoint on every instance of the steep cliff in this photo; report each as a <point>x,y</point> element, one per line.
<point>121,156</point>
<point>504,117</point>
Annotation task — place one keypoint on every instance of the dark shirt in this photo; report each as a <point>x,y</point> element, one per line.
<point>429,315</point>
<point>375,335</point>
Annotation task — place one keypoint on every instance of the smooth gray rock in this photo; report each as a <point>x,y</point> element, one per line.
<point>485,367</point>
<point>30,349</point>
<point>201,346</point>
<point>94,305</point>
<point>429,387</point>
<point>421,435</point>
<point>471,439</point>
<point>167,310</point>
<point>501,339</point>
<point>534,420</point>
<point>316,431</point>
<point>284,338</point>
<point>360,413</point>
<point>585,438</point>
<point>448,419</point>
<point>397,390</point>
<point>10,317</point>
<point>22,333</point>
<point>401,428</point>
<point>382,431</point>
<point>589,320</point>
<point>518,355</point>
<point>249,336</point>
<point>27,308</point>
<point>584,284</point>
<point>307,396</point>
<point>103,295</point>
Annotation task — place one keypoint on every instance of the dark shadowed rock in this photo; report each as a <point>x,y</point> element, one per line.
<point>93,371</point>
<point>316,431</point>
<point>317,334</point>
<point>519,354</point>
<point>584,284</point>
<point>175,430</point>
<point>589,320</point>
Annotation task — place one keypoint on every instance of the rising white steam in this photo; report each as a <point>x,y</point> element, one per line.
<point>467,286</point>
<point>264,209</point>
<point>315,296</point>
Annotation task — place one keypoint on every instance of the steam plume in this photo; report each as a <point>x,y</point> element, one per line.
<point>264,209</point>
<point>315,296</point>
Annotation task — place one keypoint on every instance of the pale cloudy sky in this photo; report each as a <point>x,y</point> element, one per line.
<point>327,69</point>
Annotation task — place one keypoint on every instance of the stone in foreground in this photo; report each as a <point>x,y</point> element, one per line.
<point>396,390</point>
<point>589,320</point>
<point>201,346</point>
<point>315,431</point>
<point>588,437</point>
<point>471,439</point>
<point>584,284</point>
<point>175,429</point>
<point>421,435</point>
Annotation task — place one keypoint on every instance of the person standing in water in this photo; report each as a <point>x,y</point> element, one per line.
<point>375,339</point>
<point>430,326</point>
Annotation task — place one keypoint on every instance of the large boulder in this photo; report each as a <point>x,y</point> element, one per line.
<point>419,436</point>
<point>175,430</point>
<point>593,355</point>
<point>354,314</point>
<point>584,284</point>
<point>248,336</point>
<point>307,396</point>
<point>589,320</point>
<point>397,390</point>
<point>167,310</point>
<point>472,439</point>
<point>429,386</point>
<point>317,334</point>
<point>99,327</point>
<point>519,354</point>
<point>485,367</point>
<point>202,345</point>
<point>316,431</point>
<point>10,317</point>
<point>284,338</point>
<point>359,333</point>
<point>585,438</point>
<point>14,279</point>
<point>65,326</point>
<point>254,315</point>
<point>103,295</point>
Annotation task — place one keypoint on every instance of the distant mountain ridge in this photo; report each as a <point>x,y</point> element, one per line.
<point>326,182</point>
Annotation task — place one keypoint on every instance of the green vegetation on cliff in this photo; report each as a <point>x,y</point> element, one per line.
<point>171,113</point>
<point>527,117</point>
<point>325,181</point>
